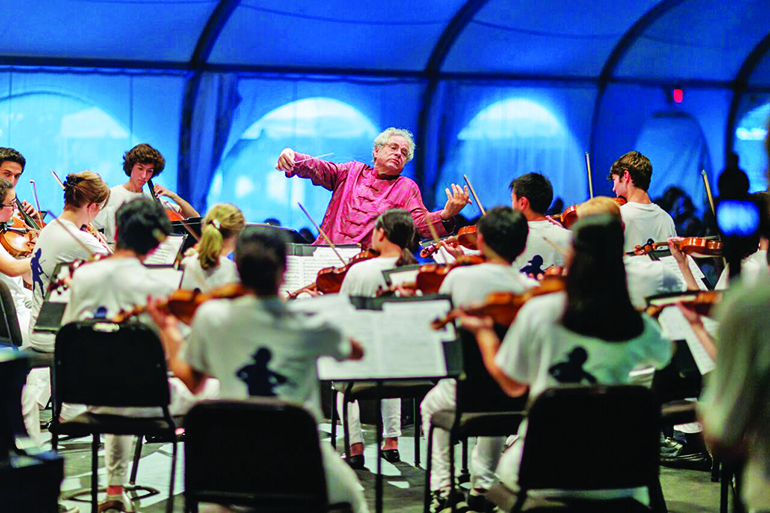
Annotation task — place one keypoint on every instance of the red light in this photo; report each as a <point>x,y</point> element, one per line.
<point>678,95</point>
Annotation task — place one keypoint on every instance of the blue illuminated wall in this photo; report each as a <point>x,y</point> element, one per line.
<point>70,122</point>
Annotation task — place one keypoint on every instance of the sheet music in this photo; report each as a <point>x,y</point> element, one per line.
<point>675,327</point>
<point>670,262</point>
<point>398,342</point>
<point>397,278</point>
<point>302,270</point>
<point>167,251</point>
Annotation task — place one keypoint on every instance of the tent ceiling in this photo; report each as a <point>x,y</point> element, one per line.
<point>138,30</point>
<point>543,38</point>
<point>695,40</point>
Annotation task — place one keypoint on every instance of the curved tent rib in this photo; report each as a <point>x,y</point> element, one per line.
<point>620,50</point>
<point>739,85</point>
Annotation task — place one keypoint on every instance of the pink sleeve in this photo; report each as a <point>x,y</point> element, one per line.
<point>423,218</point>
<point>326,174</point>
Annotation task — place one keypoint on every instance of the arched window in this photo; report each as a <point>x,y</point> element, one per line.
<point>749,146</point>
<point>674,143</point>
<point>313,126</point>
<point>508,139</point>
<point>63,133</point>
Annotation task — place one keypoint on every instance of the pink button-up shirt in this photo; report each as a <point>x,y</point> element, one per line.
<point>359,196</point>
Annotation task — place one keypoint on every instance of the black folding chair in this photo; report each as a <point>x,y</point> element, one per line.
<point>562,452</point>
<point>483,409</point>
<point>261,453</point>
<point>105,364</point>
<point>10,332</point>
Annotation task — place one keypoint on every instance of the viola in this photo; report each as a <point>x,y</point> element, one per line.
<point>18,239</point>
<point>183,304</point>
<point>431,276</point>
<point>466,237</point>
<point>697,247</point>
<point>502,307</point>
<point>701,301</point>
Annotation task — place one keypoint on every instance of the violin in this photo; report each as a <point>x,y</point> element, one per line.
<point>502,307</point>
<point>466,237</point>
<point>18,239</point>
<point>701,301</point>
<point>697,247</point>
<point>183,304</point>
<point>569,216</point>
<point>431,276</point>
<point>63,283</point>
<point>329,279</point>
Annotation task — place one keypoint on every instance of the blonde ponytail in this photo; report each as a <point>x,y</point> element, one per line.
<point>221,223</point>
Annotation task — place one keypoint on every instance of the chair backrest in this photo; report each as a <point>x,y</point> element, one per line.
<point>573,441</point>
<point>107,364</point>
<point>259,452</point>
<point>477,390</point>
<point>13,373</point>
<point>10,333</point>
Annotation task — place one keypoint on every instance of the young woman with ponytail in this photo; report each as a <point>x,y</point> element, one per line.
<point>393,235</point>
<point>210,268</point>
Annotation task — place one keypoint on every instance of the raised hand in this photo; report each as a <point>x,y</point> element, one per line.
<point>285,161</point>
<point>457,198</point>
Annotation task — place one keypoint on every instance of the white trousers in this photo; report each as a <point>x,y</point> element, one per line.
<point>119,449</point>
<point>486,452</point>
<point>390,410</point>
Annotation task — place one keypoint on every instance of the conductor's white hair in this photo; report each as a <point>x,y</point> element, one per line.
<point>386,134</point>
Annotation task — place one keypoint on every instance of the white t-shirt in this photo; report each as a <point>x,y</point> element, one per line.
<point>473,283</point>
<point>539,254</point>
<point>256,347</point>
<point>103,289</point>
<point>539,351</point>
<point>56,244</point>
<point>646,277</point>
<point>22,298</point>
<point>118,196</point>
<point>753,268</point>
<point>364,278</point>
<point>644,222</point>
<point>196,278</point>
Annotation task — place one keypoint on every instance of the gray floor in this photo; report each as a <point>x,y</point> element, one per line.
<point>685,491</point>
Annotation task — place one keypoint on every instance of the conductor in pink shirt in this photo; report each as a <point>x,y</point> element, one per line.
<point>360,193</point>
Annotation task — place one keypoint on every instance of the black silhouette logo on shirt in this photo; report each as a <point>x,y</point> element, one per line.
<point>37,271</point>
<point>534,267</point>
<point>261,380</point>
<point>572,371</point>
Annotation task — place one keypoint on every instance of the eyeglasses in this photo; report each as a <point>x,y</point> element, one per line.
<point>3,205</point>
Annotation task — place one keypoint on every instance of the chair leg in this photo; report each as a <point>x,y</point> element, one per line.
<point>724,492</point>
<point>464,472</point>
<point>428,469</point>
<point>521,498</point>
<point>170,505</point>
<point>715,466</point>
<point>417,424</point>
<point>657,500</point>
<point>345,431</point>
<point>137,456</point>
<point>335,418</point>
<point>95,473</point>
<point>451,469</point>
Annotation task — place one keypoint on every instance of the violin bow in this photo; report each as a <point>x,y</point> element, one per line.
<point>711,202</point>
<point>483,212</point>
<point>555,246</point>
<point>323,234</point>
<point>590,180</point>
<point>37,201</point>
<point>80,242</point>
